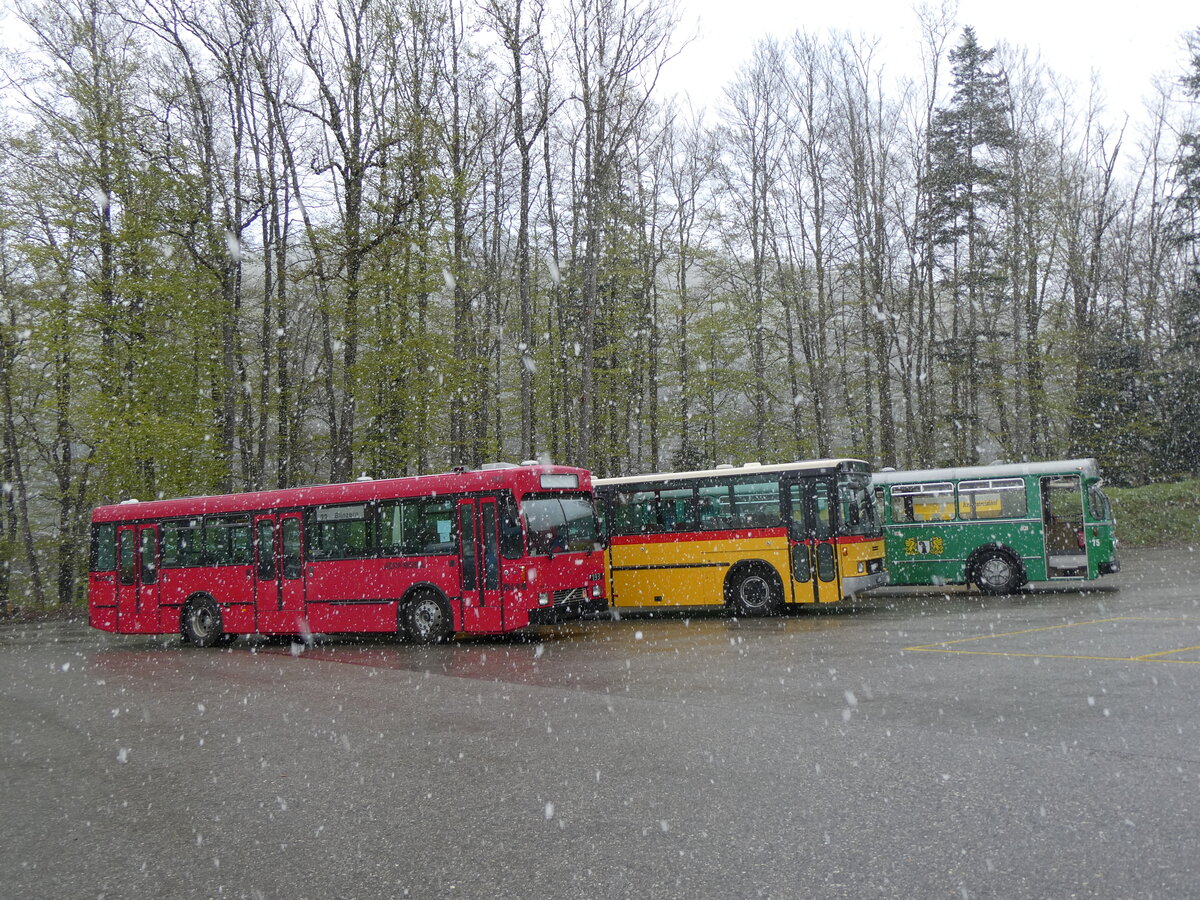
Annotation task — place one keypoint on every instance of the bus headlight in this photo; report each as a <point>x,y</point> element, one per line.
<point>862,567</point>
<point>597,590</point>
<point>543,599</point>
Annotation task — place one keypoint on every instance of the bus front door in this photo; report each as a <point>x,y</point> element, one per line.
<point>815,572</point>
<point>479,550</point>
<point>279,573</point>
<point>137,579</point>
<point>1063,526</point>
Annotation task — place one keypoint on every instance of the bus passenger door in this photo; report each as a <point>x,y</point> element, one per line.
<point>1063,526</point>
<point>137,579</point>
<point>479,552</point>
<point>279,573</point>
<point>815,572</point>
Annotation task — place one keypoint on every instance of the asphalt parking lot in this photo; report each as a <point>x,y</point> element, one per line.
<point>912,743</point>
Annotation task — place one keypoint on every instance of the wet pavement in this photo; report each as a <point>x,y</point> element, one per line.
<point>913,743</point>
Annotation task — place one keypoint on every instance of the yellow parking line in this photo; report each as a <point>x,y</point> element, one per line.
<point>945,646</point>
<point>1150,656</point>
<point>984,637</point>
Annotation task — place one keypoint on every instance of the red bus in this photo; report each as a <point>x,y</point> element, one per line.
<point>481,552</point>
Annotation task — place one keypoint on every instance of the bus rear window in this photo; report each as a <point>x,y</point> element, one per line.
<point>104,548</point>
<point>560,525</point>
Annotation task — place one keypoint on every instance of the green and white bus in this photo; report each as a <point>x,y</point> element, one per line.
<point>999,526</point>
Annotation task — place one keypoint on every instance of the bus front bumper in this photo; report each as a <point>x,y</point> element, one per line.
<point>856,584</point>
<point>571,611</point>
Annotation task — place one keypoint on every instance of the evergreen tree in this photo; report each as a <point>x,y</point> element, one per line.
<point>1180,394</point>
<point>968,186</point>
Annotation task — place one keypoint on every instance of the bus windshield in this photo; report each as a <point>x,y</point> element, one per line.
<point>560,525</point>
<point>860,516</point>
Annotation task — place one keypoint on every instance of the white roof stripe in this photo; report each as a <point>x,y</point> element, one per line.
<point>1085,467</point>
<point>747,469</point>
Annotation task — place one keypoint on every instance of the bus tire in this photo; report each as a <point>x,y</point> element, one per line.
<point>996,572</point>
<point>754,591</point>
<point>200,622</point>
<point>427,618</point>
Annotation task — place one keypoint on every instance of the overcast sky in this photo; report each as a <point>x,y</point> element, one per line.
<point>1126,44</point>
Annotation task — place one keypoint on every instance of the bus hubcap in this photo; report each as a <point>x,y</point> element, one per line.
<point>755,592</point>
<point>995,572</point>
<point>202,621</point>
<point>427,617</point>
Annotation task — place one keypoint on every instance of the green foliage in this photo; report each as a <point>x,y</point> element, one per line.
<point>1157,514</point>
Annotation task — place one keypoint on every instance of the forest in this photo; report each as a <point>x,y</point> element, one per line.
<point>262,243</point>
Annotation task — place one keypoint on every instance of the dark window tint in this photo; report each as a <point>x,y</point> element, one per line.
<point>417,527</point>
<point>340,532</point>
<point>227,541</point>
<point>756,505</point>
<point>149,555</point>
<point>104,548</point>
<point>820,514</point>
<point>466,528</point>
<point>292,560</point>
<point>491,561</point>
<point>181,543</point>
<point>512,535</point>
<point>266,550</point>
<point>634,512</point>
<point>714,507</point>
<point>127,557</point>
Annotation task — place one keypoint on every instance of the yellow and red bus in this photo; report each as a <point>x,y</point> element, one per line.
<point>483,552</point>
<point>753,538</point>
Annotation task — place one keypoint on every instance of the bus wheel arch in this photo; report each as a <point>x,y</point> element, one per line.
<point>753,588</point>
<point>996,569</point>
<point>200,621</point>
<point>424,615</point>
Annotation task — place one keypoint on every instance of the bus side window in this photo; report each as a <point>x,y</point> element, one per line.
<point>678,509</point>
<point>645,511</point>
<point>104,548</point>
<point>125,551</point>
<point>181,543</point>
<point>341,532</point>
<point>266,550</point>
<point>923,502</point>
<point>757,504</point>
<point>227,541</point>
<point>292,558</point>
<point>512,536</point>
<point>149,555</point>
<point>714,507</point>
<point>998,498</point>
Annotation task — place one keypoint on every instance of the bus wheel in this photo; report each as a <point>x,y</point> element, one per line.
<point>427,619</point>
<point>753,593</point>
<point>996,573</point>
<point>201,622</point>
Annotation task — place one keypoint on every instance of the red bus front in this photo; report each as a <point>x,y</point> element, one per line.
<point>559,574</point>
